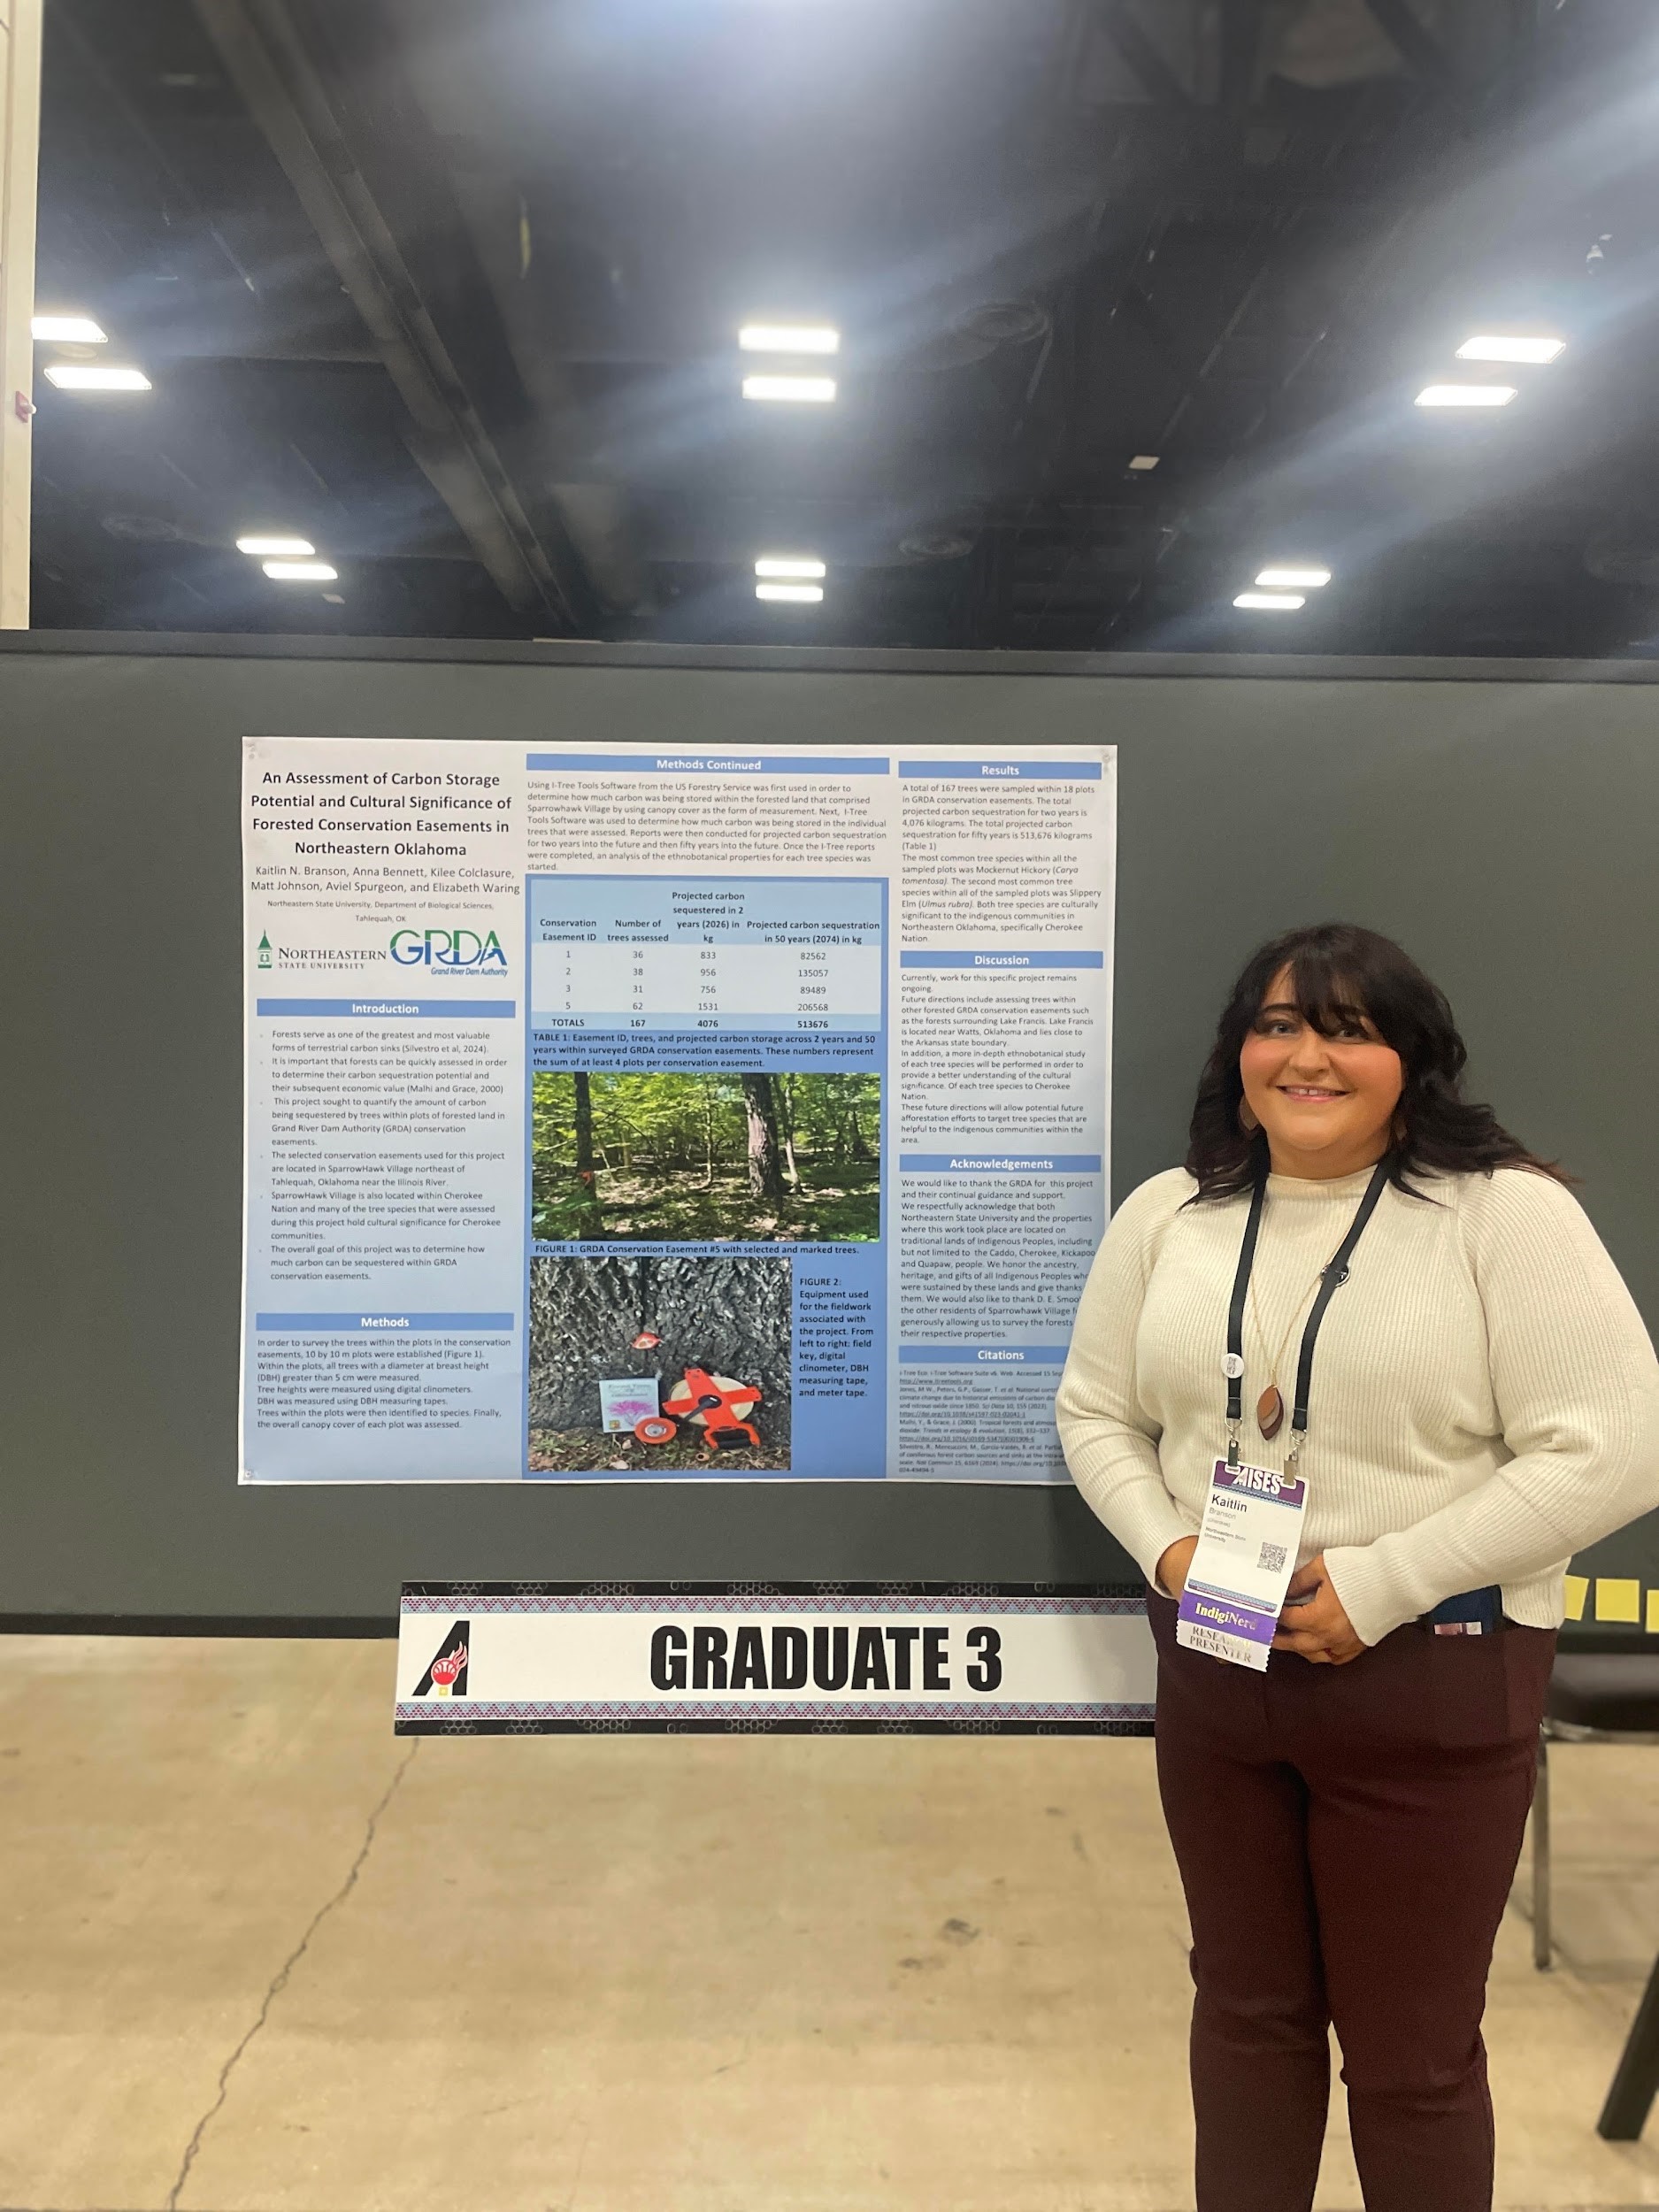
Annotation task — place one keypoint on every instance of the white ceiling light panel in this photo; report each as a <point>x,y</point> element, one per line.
<point>1494,345</point>
<point>815,391</point>
<point>277,547</point>
<point>790,338</point>
<point>1465,395</point>
<point>800,568</point>
<point>67,330</point>
<point>77,376</point>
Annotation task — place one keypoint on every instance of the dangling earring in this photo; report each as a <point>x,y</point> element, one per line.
<point>1247,1118</point>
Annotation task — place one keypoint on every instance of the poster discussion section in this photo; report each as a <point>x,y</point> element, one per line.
<point>669,1115</point>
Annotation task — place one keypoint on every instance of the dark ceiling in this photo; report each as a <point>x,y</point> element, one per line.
<point>452,287</point>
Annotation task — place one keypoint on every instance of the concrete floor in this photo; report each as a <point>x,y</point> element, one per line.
<point>258,1956</point>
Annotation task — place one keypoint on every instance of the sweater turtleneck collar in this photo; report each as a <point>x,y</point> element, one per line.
<point>1309,1190</point>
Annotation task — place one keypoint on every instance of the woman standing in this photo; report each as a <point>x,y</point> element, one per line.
<point>1478,1399</point>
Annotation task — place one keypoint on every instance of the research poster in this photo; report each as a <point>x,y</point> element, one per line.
<point>641,1113</point>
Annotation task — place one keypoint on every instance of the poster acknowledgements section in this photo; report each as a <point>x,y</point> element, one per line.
<point>581,1145</point>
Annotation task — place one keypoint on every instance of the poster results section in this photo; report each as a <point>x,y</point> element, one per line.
<point>708,1125</point>
<point>383,1307</point>
<point>1004,1017</point>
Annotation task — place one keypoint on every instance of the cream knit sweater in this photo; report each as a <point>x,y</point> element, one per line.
<point>1485,1398</point>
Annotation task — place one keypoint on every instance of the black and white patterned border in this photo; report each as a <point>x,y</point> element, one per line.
<point>728,1709</point>
<point>1090,1599</point>
<point>467,1720</point>
<point>783,1606</point>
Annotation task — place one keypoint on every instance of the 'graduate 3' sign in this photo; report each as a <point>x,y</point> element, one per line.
<point>520,1658</point>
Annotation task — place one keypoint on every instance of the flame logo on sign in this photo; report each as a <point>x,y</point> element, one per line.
<point>446,1676</point>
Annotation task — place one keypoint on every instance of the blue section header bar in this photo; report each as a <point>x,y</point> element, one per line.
<point>1000,1163</point>
<point>391,1323</point>
<point>982,1354</point>
<point>1006,770</point>
<point>470,1010</point>
<point>713,763</point>
<point>995,960</point>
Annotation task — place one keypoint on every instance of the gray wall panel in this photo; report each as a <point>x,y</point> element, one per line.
<point>1503,829</point>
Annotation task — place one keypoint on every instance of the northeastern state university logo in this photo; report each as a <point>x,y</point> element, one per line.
<point>446,1676</point>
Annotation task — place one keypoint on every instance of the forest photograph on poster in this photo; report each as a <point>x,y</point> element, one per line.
<point>779,1156</point>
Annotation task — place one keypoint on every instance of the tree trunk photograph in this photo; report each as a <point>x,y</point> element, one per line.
<point>766,1169</point>
<point>587,1198</point>
<point>728,1318</point>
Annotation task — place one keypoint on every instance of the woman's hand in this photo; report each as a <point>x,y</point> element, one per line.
<point>1173,1564</point>
<point>1320,1630</point>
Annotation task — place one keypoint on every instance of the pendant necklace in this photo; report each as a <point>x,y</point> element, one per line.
<point>1269,1407</point>
<point>1269,1411</point>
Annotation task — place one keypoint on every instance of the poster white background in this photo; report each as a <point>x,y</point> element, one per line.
<point>442,937</point>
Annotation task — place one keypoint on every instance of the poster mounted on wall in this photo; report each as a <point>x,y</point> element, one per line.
<point>644,1114</point>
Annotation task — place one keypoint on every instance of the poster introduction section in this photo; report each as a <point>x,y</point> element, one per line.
<point>644,1114</point>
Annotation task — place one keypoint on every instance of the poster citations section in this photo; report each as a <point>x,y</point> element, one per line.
<point>653,1113</point>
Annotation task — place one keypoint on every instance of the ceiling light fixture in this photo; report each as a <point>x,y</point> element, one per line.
<point>282,549</point>
<point>1294,578</point>
<point>301,571</point>
<point>70,376</point>
<point>1465,395</point>
<point>1271,602</point>
<point>790,338</point>
<point>819,390</point>
<point>1491,345</point>
<point>1143,460</point>
<point>67,330</point>
<point>791,594</point>
<point>783,564</point>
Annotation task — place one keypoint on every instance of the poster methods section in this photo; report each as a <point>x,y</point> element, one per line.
<point>669,1115</point>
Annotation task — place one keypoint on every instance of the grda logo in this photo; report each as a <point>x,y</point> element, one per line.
<point>455,948</point>
<point>446,1676</point>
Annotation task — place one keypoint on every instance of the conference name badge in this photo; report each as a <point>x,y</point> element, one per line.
<point>1245,1556</point>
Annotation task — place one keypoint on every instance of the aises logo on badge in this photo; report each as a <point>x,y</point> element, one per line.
<point>446,1676</point>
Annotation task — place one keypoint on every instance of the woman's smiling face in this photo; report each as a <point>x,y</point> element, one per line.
<point>1327,1103</point>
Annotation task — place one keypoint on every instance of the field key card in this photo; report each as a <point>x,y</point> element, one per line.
<point>1245,1556</point>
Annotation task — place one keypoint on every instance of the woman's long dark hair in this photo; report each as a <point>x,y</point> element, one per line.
<point>1338,972</point>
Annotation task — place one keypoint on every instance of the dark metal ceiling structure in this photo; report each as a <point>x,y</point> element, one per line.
<point>453,292</point>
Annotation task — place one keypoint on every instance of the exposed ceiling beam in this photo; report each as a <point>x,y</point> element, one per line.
<point>1422,53</point>
<point>1241,27</point>
<point>265,58</point>
<point>1135,47</point>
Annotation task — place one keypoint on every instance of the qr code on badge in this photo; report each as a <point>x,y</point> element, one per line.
<point>1273,1558</point>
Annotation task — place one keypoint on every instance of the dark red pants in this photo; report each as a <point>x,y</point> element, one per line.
<point>1347,1837</point>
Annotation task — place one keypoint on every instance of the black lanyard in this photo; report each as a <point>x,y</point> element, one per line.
<point>1331,1279</point>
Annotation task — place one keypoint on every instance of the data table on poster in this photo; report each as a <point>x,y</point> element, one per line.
<point>655,953</point>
